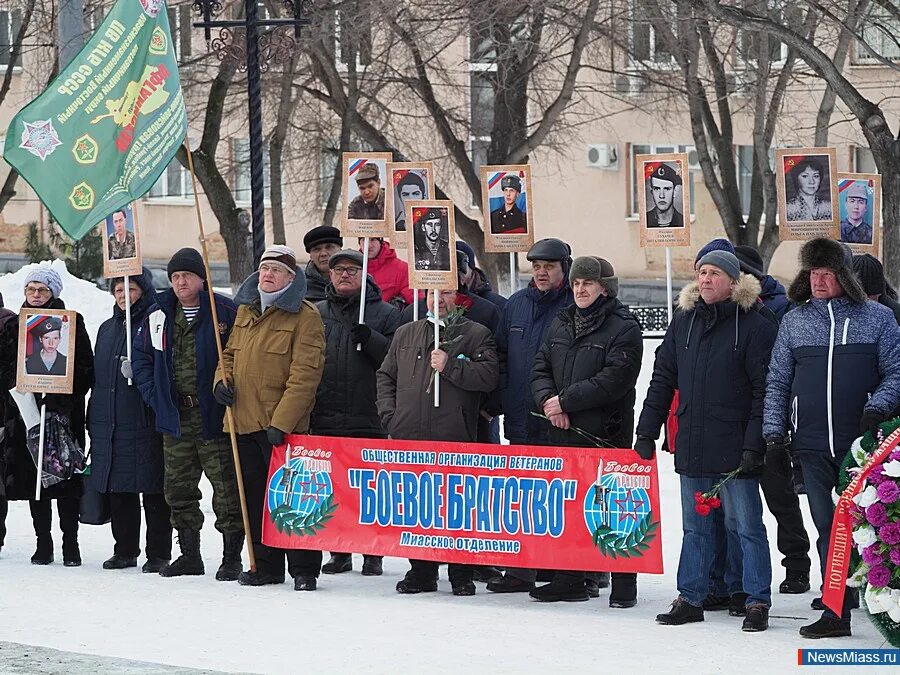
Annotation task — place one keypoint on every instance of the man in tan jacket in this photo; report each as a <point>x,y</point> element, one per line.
<point>273,362</point>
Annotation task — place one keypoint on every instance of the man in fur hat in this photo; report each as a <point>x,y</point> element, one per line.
<point>715,353</point>
<point>834,374</point>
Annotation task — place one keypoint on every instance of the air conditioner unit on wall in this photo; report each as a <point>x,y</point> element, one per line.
<point>603,156</point>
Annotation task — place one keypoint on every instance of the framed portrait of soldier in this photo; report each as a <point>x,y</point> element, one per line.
<point>807,193</point>
<point>121,243</point>
<point>363,180</point>
<point>664,199</point>
<point>46,354</point>
<point>433,244</point>
<point>859,206</point>
<point>507,207</point>
<point>408,181</point>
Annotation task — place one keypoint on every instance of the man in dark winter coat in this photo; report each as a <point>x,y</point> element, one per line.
<point>524,320</point>
<point>346,398</point>
<point>772,293</point>
<point>468,371</point>
<point>474,280</point>
<point>477,309</point>
<point>174,360</point>
<point>834,374</point>
<point>321,243</point>
<point>715,352</point>
<point>870,272</point>
<point>584,376</point>
<point>126,448</point>
<point>269,374</point>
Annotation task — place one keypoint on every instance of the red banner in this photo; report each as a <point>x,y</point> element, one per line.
<point>588,509</point>
<point>841,544</point>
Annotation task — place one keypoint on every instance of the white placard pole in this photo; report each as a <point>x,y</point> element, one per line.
<point>513,286</point>
<point>362,289</point>
<point>437,328</point>
<point>128,322</point>
<point>669,284</point>
<point>416,304</point>
<point>40,454</point>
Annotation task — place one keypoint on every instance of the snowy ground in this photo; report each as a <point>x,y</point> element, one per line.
<point>354,623</point>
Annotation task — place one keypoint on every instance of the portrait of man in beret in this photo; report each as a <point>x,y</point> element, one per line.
<point>431,239</point>
<point>47,360</point>
<point>661,184</point>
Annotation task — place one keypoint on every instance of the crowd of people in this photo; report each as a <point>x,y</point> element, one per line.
<point>757,378</point>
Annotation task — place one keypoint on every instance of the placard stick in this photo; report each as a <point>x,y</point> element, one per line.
<point>40,454</point>
<point>362,289</point>
<point>437,344</point>
<point>127,290</point>
<point>416,304</point>
<point>669,284</point>
<point>512,273</point>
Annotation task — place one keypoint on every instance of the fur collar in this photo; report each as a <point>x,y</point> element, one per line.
<point>744,294</point>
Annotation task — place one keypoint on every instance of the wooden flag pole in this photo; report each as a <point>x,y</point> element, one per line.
<point>215,318</point>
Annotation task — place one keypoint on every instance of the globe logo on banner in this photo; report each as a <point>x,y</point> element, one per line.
<point>300,495</point>
<point>618,515</point>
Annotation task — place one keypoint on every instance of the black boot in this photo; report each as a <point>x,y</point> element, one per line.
<point>189,562</point>
<point>715,603</point>
<point>372,566</point>
<point>592,586</point>
<point>338,563</point>
<point>486,574</point>
<point>559,590</point>
<point>304,583</point>
<point>68,509</point>
<point>43,554</point>
<point>510,584</point>
<point>260,578</point>
<point>738,604</point>
<point>231,566</point>
<point>682,612</point>
<point>463,588</point>
<point>827,626</point>
<point>119,562</point>
<point>795,583</point>
<point>602,579</point>
<point>411,584</point>
<point>757,619</point>
<point>154,565</point>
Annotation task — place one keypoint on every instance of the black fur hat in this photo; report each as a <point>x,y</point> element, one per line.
<point>834,255</point>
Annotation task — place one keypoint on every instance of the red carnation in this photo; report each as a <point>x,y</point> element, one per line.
<point>714,502</point>
<point>702,508</point>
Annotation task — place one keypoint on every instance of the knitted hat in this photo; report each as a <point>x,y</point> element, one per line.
<point>714,245</point>
<point>724,260</point>
<point>465,248</point>
<point>282,256</point>
<point>592,268</point>
<point>870,272</point>
<point>347,254</point>
<point>828,254</point>
<point>323,234</point>
<point>187,260</point>
<point>47,276</point>
<point>750,259</point>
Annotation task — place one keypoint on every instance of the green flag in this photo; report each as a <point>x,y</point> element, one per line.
<point>104,130</point>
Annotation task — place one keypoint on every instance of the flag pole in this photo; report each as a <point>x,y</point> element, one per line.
<point>215,318</point>
<point>362,289</point>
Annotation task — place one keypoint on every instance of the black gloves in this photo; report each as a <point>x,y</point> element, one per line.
<point>777,444</point>
<point>275,436</point>
<point>645,447</point>
<point>870,421</point>
<point>224,394</point>
<point>360,333</point>
<point>752,463</point>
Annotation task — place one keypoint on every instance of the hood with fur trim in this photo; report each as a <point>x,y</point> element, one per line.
<point>745,293</point>
<point>833,255</point>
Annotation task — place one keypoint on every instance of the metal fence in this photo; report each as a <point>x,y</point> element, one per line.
<point>653,320</point>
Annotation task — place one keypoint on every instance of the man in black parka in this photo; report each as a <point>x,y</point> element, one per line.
<point>584,376</point>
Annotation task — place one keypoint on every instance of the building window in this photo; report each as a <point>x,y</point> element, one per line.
<point>329,160</point>
<point>648,149</point>
<point>880,32</point>
<point>744,168</point>
<point>749,43</point>
<point>864,160</point>
<point>180,27</point>
<point>174,183</point>
<point>482,91</point>
<point>644,47</point>
<point>10,23</point>
<point>240,157</point>
<point>350,30</point>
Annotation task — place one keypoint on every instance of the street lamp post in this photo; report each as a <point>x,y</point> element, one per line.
<point>274,44</point>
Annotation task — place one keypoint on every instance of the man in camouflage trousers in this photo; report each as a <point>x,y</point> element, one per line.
<point>175,358</point>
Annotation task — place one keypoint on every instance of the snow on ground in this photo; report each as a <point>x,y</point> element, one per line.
<point>354,623</point>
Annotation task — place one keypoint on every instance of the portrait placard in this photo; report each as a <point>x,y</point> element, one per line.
<point>664,199</point>
<point>807,193</point>
<point>46,355</point>
<point>507,206</point>
<point>408,181</point>
<point>121,243</point>
<point>859,196</point>
<point>363,212</point>
<point>433,228</point>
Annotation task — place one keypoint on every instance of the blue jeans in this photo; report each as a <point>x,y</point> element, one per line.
<point>728,563</point>
<point>820,475</point>
<point>742,508</point>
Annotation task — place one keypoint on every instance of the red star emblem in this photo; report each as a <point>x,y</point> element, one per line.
<point>621,504</point>
<point>39,138</point>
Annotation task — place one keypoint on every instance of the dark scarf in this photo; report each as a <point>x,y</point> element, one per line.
<point>586,318</point>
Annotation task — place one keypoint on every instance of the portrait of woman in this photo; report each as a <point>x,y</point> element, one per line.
<point>807,185</point>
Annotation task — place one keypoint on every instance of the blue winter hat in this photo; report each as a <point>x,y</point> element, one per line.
<point>725,261</point>
<point>47,276</point>
<point>715,245</point>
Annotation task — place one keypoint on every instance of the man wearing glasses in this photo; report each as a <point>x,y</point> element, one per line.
<point>270,370</point>
<point>345,401</point>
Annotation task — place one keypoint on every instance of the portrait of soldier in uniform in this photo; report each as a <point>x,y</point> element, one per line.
<point>369,203</point>
<point>431,240</point>
<point>410,187</point>
<point>509,218</point>
<point>856,223</point>
<point>121,242</point>
<point>661,187</point>
<point>45,358</point>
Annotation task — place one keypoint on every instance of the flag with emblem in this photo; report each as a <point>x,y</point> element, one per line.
<point>105,129</point>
